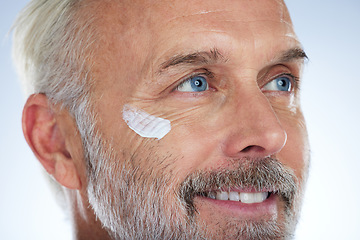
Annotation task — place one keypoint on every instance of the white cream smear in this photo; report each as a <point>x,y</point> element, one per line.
<point>144,124</point>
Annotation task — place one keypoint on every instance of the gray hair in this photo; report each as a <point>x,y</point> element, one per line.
<point>52,43</point>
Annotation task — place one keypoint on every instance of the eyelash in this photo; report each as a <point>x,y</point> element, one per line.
<point>209,75</point>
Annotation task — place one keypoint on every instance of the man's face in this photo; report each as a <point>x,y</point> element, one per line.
<point>225,75</point>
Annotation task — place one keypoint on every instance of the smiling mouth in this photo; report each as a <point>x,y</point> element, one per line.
<point>255,186</point>
<point>243,197</point>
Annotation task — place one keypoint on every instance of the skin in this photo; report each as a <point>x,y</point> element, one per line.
<point>235,119</point>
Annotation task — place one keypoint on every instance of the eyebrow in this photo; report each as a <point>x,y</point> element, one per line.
<point>291,55</point>
<point>214,56</point>
<point>195,58</point>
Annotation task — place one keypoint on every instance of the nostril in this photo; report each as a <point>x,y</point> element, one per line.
<point>247,149</point>
<point>254,148</point>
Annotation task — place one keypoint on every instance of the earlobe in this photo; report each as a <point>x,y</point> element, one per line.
<point>43,133</point>
<point>65,173</point>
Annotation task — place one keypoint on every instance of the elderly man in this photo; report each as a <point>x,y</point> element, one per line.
<point>167,119</point>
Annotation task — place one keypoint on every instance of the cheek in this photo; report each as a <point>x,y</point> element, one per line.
<point>155,142</point>
<point>192,145</point>
<point>295,153</point>
<point>195,139</point>
<point>285,106</point>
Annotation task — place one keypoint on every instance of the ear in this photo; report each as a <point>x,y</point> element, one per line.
<point>44,134</point>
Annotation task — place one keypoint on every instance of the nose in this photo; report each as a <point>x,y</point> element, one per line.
<point>255,130</point>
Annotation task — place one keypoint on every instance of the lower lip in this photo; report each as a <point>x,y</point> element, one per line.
<point>252,210</point>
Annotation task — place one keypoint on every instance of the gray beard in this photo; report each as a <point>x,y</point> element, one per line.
<point>145,203</point>
<point>131,203</point>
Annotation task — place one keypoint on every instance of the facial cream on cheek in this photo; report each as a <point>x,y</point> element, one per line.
<point>144,124</point>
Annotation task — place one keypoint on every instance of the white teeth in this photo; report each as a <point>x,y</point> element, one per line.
<point>253,197</point>
<point>212,195</point>
<point>260,197</point>
<point>234,196</point>
<point>222,196</point>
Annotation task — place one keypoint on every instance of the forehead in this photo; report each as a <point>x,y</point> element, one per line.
<point>158,19</point>
<point>146,33</point>
<point>165,11</point>
<point>215,11</point>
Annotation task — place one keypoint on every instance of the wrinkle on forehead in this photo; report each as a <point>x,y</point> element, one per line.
<point>222,11</point>
<point>246,16</point>
<point>141,16</point>
<point>165,12</point>
<point>149,30</point>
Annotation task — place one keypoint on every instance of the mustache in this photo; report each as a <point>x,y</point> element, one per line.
<point>261,174</point>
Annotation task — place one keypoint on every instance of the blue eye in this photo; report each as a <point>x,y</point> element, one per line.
<point>194,84</point>
<point>282,83</point>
